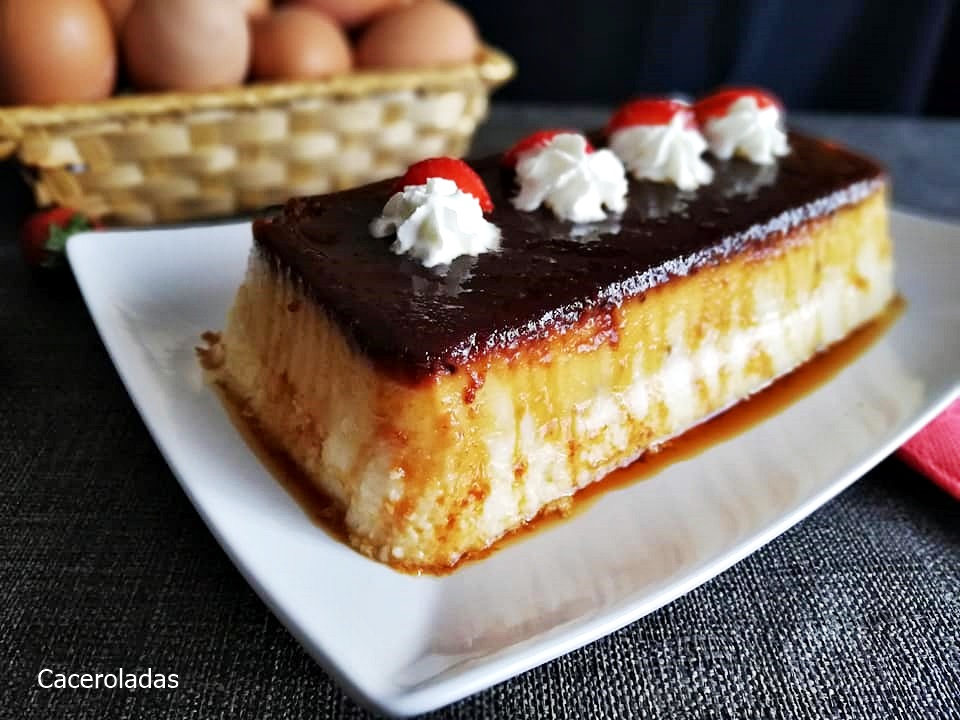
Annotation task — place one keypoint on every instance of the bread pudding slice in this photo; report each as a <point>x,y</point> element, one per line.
<point>441,408</point>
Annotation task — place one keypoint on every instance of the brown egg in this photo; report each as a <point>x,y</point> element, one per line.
<point>298,43</point>
<point>55,51</point>
<point>186,44</point>
<point>426,33</point>
<point>118,11</point>
<point>256,8</point>
<point>350,12</point>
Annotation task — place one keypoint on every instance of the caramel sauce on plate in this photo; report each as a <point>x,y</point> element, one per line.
<point>741,417</point>
<point>321,510</point>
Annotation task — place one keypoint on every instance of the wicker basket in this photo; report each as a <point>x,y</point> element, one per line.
<point>143,159</point>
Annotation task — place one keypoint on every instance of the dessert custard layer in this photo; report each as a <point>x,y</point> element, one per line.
<point>413,321</point>
<point>440,412</point>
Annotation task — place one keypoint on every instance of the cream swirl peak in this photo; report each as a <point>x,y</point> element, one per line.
<point>657,139</point>
<point>436,222</point>
<point>564,173</point>
<point>743,122</point>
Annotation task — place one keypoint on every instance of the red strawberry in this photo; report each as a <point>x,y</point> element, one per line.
<point>649,111</point>
<point>452,169</point>
<point>533,141</point>
<point>44,235</point>
<point>717,104</point>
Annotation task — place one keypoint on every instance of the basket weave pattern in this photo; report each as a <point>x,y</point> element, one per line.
<point>140,160</point>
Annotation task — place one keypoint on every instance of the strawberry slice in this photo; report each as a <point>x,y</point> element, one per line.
<point>718,104</point>
<point>650,111</point>
<point>452,169</point>
<point>534,141</point>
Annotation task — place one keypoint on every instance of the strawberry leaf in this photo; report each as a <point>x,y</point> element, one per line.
<point>57,237</point>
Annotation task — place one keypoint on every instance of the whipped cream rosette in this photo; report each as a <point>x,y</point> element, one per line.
<point>658,140</point>
<point>562,171</point>
<point>437,213</point>
<point>744,122</point>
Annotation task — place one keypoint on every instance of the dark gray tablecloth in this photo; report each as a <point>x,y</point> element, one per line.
<point>855,613</point>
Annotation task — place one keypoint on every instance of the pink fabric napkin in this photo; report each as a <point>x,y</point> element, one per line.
<point>935,450</point>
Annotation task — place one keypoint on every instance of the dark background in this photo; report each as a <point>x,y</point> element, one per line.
<point>877,56</point>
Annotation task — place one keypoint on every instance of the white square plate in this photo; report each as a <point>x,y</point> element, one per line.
<point>407,645</point>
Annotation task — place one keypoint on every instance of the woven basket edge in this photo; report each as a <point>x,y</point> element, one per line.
<point>492,67</point>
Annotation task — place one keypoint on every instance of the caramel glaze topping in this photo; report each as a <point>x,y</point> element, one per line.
<point>415,322</point>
